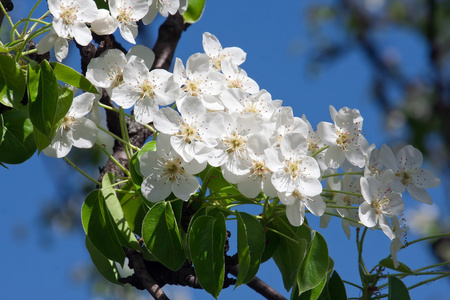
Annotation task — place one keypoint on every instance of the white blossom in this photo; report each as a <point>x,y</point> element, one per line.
<point>216,53</point>
<point>127,13</point>
<point>75,130</point>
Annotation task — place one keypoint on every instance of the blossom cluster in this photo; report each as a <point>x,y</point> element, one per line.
<point>71,20</point>
<point>211,112</point>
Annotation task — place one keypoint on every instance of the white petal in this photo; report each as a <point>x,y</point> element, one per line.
<point>128,32</point>
<point>367,215</point>
<point>296,213</point>
<point>316,205</point>
<point>81,34</point>
<point>84,133</point>
<point>156,189</point>
<point>81,105</point>
<point>124,95</point>
<point>185,186</point>
<point>309,186</point>
<point>250,187</point>
<point>425,179</point>
<point>334,157</point>
<point>420,194</point>
<point>60,146</point>
<point>144,110</point>
<point>167,120</point>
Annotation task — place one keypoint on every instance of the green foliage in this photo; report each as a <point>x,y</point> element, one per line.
<point>250,244</point>
<point>315,264</point>
<point>100,228</point>
<point>194,11</point>
<point>397,289</point>
<point>389,263</point>
<point>12,82</point>
<point>106,267</point>
<point>72,77</point>
<point>48,102</point>
<point>17,136</point>
<point>162,236</point>
<point>206,240</point>
<point>291,249</point>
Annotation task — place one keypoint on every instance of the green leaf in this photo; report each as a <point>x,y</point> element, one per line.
<point>397,289</point>
<point>312,294</point>
<point>217,182</point>
<point>120,223</point>
<point>12,82</point>
<point>335,289</point>
<point>315,264</point>
<point>250,244</point>
<point>389,263</point>
<point>106,267</point>
<point>162,236</point>
<point>2,129</point>
<point>291,249</point>
<point>206,241</point>
<point>18,142</point>
<point>194,11</point>
<point>99,227</point>
<point>132,206</point>
<point>72,77</point>
<point>272,242</point>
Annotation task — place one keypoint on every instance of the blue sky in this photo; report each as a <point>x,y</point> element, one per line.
<point>267,31</point>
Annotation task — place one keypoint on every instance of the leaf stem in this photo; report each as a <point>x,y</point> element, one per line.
<point>117,138</point>
<point>342,192</point>
<point>320,150</point>
<point>82,172</point>
<point>339,174</point>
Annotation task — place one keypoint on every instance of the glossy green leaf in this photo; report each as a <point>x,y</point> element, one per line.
<point>72,77</point>
<point>120,223</point>
<point>315,264</point>
<point>132,206</point>
<point>18,142</point>
<point>334,289</point>
<point>291,248</point>
<point>397,289</point>
<point>216,181</point>
<point>312,294</point>
<point>162,236</point>
<point>250,244</point>
<point>12,82</point>
<point>272,242</point>
<point>43,98</point>
<point>389,263</point>
<point>194,11</point>
<point>99,227</point>
<point>106,267</point>
<point>206,240</point>
<point>2,129</point>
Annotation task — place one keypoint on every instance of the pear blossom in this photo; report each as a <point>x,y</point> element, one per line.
<point>216,53</point>
<point>293,169</point>
<point>75,130</point>
<point>193,134</point>
<point>408,174</point>
<point>237,77</point>
<point>381,203</point>
<point>166,172</point>
<point>51,39</point>
<point>314,145</point>
<point>285,122</point>
<point>145,90</point>
<point>344,138</point>
<point>70,18</point>
<point>164,7</point>
<point>259,177</point>
<point>295,206</point>
<point>198,80</point>
<point>232,152</point>
<point>104,24</point>
<point>127,13</point>
<point>106,71</point>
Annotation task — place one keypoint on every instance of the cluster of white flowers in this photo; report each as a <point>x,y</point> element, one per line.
<point>223,119</point>
<point>71,19</point>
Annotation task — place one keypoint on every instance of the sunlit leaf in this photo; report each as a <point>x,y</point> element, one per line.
<point>194,11</point>
<point>18,142</point>
<point>70,76</point>
<point>12,82</point>
<point>162,236</point>
<point>106,267</point>
<point>207,237</point>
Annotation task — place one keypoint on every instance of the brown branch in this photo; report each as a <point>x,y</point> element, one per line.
<point>143,280</point>
<point>259,286</point>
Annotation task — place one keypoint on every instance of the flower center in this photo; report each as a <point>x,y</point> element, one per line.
<point>67,123</point>
<point>312,147</point>
<point>188,132</point>
<point>234,143</point>
<point>148,90</point>
<point>192,87</point>
<point>251,107</point>
<point>293,167</point>
<point>343,139</point>
<point>259,168</point>
<point>404,176</point>
<point>118,78</point>
<point>235,83</point>
<point>217,61</point>
<point>124,16</point>
<point>380,204</point>
<point>173,169</point>
<point>68,14</point>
